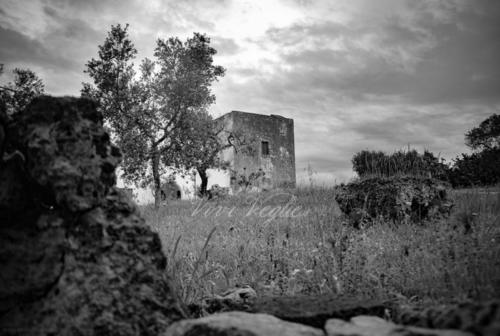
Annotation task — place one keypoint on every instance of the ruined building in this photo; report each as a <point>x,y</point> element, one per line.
<point>262,157</point>
<point>264,152</point>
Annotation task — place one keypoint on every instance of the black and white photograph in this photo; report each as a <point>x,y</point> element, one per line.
<point>250,167</point>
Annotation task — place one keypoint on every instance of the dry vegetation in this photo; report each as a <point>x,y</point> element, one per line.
<point>215,245</point>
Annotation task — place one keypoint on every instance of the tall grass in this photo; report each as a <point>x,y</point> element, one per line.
<point>402,162</point>
<point>213,246</point>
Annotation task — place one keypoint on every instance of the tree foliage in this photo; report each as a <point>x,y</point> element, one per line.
<point>481,168</point>
<point>202,142</point>
<point>201,145</point>
<point>18,94</point>
<point>149,112</point>
<point>113,75</point>
<point>476,169</point>
<point>486,135</point>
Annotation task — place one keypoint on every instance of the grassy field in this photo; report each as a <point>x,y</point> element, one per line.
<point>297,242</point>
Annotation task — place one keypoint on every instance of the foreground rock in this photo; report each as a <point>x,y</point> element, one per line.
<point>239,298</point>
<point>479,318</point>
<point>395,198</point>
<point>316,310</point>
<point>76,257</point>
<point>375,326</point>
<point>238,324</point>
<point>309,310</point>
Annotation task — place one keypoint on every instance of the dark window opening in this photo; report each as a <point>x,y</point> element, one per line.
<point>265,148</point>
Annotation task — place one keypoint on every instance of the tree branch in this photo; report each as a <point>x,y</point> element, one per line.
<point>8,89</point>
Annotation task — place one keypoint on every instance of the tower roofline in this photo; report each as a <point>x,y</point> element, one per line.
<point>251,113</point>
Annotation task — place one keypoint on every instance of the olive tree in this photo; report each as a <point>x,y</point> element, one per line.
<point>147,110</point>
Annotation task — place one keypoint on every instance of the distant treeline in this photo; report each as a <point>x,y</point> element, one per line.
<point>477,169</point>
<point>481,168</point>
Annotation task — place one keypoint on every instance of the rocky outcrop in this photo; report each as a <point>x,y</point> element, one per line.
<point>344,315</point>
<point>308,310</point>
<point>240,323</point>
<point>316,310</point>
<point>395,198</point>
<point>479,318</point>
<point>77,259</point>
<point>375,326</point>
<point>240,298</point>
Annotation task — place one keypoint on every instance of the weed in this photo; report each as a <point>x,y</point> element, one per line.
<point>316,253</point>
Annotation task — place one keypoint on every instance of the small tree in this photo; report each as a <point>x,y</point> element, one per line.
<point>476,169</point>
<point>148,114</point>
<point>113,76</point>
<point>486,135</point>
<point>202,143</point>
<point>18,94</point>
<point>200,146</point>
<point>481,168</point>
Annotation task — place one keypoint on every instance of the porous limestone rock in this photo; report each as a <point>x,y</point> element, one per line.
<point>238,324</point>
<point>77,259</point>
<point>479,318</point>
<point>239,295</point>
<point>375,326</point>
<point>316,310</point>
<point>308,310</point>
<point>238,298</point>
<point>395,198</point>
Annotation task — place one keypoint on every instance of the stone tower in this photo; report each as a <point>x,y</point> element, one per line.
<point>268,151</point>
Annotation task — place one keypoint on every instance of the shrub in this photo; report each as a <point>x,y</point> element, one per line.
<point>396,198</point>
<point>477,169</point>
<point>218,192</point>
<point>367,163</point>
<point>481,168</point>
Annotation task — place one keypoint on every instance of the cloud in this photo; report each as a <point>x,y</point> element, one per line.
<point>23,49</point>
<point>225,46</point>
<point>422,60</point>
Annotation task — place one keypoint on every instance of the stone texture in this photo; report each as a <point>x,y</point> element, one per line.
<point>316,310</point>
<point>250,165</point>
<point>375,326</point>
<point>240,324</point>
<point>479,318</point>
<point>77,259</point>
<point>239,295</point>
<point>393,198</point>
<point>239,298</point>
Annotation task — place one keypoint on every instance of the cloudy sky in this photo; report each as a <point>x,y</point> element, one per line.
<point>353,74</point>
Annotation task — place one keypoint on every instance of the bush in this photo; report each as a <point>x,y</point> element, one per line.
<point>369,163</point>
<point>482,168</point>
<point>218,192</point>
<point>477,169</point>
<point>396,198</point>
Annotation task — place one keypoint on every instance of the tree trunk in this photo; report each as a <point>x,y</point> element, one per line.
<point>155,166</point>
<point>204,181</point>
